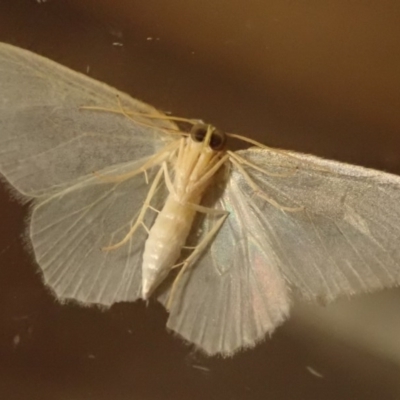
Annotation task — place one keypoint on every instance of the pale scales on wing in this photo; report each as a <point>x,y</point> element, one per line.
<point>292,222</point>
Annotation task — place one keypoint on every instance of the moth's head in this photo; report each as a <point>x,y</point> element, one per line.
<point>197,159</point>
<point>209,136</point>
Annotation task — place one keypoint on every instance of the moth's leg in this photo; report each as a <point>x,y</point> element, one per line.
<point>205,210</point>
<point>145,228</point>
<point>168,180</point>
<point>258,191</point>
<point>218,164</point>
<point>139,220</point>
<point>157,159</point>
<point>196,253</point>
<point>243,161</point>
<point>154,209</point>
<point>195,207</point>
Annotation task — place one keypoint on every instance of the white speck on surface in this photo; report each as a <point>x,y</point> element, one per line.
<point>312,371</point>
<point>16,340</point>
<point>201,368</point>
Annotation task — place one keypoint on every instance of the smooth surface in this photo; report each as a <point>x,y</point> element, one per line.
<point>326,82</point>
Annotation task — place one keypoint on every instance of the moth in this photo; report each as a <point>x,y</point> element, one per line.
<point>127,205</point>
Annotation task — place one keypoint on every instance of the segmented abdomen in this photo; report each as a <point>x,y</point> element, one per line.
<point>164,245</point>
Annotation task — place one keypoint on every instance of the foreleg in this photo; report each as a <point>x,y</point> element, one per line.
<point>142,213</point>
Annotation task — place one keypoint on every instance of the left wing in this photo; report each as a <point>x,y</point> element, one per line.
<point>48,141</point>
<point>69,229</point>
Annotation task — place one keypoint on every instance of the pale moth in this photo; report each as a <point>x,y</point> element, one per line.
<point>125,205</point>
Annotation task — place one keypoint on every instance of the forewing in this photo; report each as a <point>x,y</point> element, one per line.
<point>47,141</point>
<point>234,294</point>
<point>69,230</point>
<point>344,239</point>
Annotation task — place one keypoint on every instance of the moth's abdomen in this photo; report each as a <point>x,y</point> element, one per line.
<point>163,246</point>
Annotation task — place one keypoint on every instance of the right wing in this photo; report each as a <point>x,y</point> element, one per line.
<point>344,239</point>
<point>48,142</point>
<point>340,237</point>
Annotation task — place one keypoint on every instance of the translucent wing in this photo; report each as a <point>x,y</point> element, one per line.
<point>235,293</point>
<point>342,240</point>
<point>47,141</point>
<point>345,239</point>
<point>69,229</point>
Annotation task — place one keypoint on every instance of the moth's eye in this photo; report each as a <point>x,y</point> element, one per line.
<point>198,132</point>
<point>217,140</point>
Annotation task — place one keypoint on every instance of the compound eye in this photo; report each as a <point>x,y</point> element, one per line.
<point>217,139</point>
<point>199,132</point>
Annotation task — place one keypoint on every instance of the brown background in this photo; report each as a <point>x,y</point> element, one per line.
<point>310,75</point>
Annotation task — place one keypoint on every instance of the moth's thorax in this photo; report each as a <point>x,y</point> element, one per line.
<point>193,166</point>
